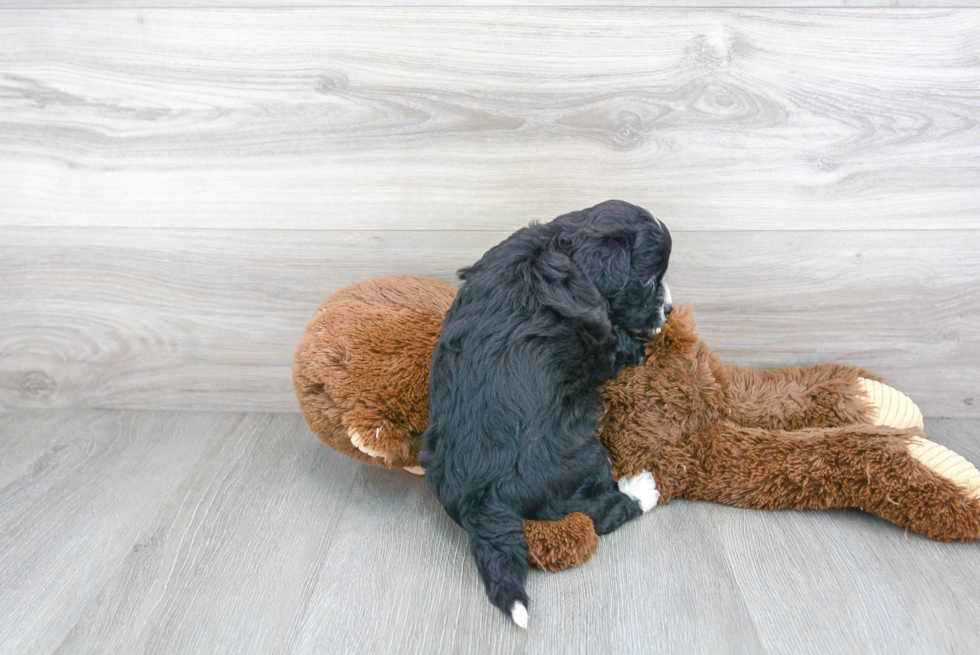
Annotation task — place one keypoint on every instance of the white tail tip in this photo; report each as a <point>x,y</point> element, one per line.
<point>519,613</point>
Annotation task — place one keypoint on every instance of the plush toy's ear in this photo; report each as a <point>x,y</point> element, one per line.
<point>603,256</point>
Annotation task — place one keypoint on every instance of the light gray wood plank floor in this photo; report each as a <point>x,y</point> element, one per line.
<point>176,532</point>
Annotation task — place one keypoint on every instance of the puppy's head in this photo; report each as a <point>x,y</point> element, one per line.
<point>624,251</point>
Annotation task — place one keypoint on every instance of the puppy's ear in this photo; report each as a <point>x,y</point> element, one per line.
<point>605,259</point>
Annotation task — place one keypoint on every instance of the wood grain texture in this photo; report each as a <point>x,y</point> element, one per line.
<point>259,4</point>
<point>209,319</point>
<point>227,564</point>
<point>479,118</point>
<point>69,518</point>
<point>612,598</point>
<point>259,539</point>
<point>27,439</point>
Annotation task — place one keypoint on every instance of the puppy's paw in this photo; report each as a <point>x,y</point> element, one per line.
<point>642,488</point>
<point>628,350</point>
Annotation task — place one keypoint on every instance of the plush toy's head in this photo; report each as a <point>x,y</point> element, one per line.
<point>361,371</point>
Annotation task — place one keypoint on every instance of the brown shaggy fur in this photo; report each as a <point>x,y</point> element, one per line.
<point>788,438</point>
<point>363,363</point>
<point>558,545</point>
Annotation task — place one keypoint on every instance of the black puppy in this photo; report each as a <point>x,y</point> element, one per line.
<point>540,322</point>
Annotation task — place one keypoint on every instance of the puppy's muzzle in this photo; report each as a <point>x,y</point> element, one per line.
<point>665,310</point>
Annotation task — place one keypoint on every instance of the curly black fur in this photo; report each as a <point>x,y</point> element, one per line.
<point>540,322</point>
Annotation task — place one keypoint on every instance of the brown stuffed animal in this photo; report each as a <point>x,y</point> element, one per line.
<point>827,436</point>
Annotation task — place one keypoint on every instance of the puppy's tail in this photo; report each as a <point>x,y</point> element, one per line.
<point>498,544</point>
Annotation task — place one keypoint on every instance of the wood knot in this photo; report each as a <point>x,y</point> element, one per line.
<point>713,49</point>
<point>36,383</point>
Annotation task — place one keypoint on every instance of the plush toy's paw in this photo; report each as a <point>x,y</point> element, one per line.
<point>375,436</point>
<point>368,448</point>
<point>643,489</point>
<point>562,544</point>
<point>890,407</point>
<point>944,462</point>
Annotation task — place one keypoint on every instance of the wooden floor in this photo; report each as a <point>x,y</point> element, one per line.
<point>184,532</point>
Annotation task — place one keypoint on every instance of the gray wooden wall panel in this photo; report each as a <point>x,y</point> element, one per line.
<point>182,187</point>
<point>477,118</point>
<point>209,318</point>
<point>237,4</point>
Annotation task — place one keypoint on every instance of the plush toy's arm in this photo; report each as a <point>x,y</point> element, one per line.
<point>895,474</point>
<point>825,395</point>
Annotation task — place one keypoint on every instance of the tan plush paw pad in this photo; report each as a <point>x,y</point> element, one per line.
<point>943,461</point>
<point>889,406</point>
<point>363,445</point>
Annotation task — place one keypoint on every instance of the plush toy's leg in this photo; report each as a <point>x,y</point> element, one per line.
<point>822,396</point>
<point>562,544</point>
<point>945,463</point>
<point>794,398</point>
<point>895,474</point>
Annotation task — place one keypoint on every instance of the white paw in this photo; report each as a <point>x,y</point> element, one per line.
<point>415,470</point>
<point>641,488</point>
<point>519,613</point>
<point>358,441</point>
